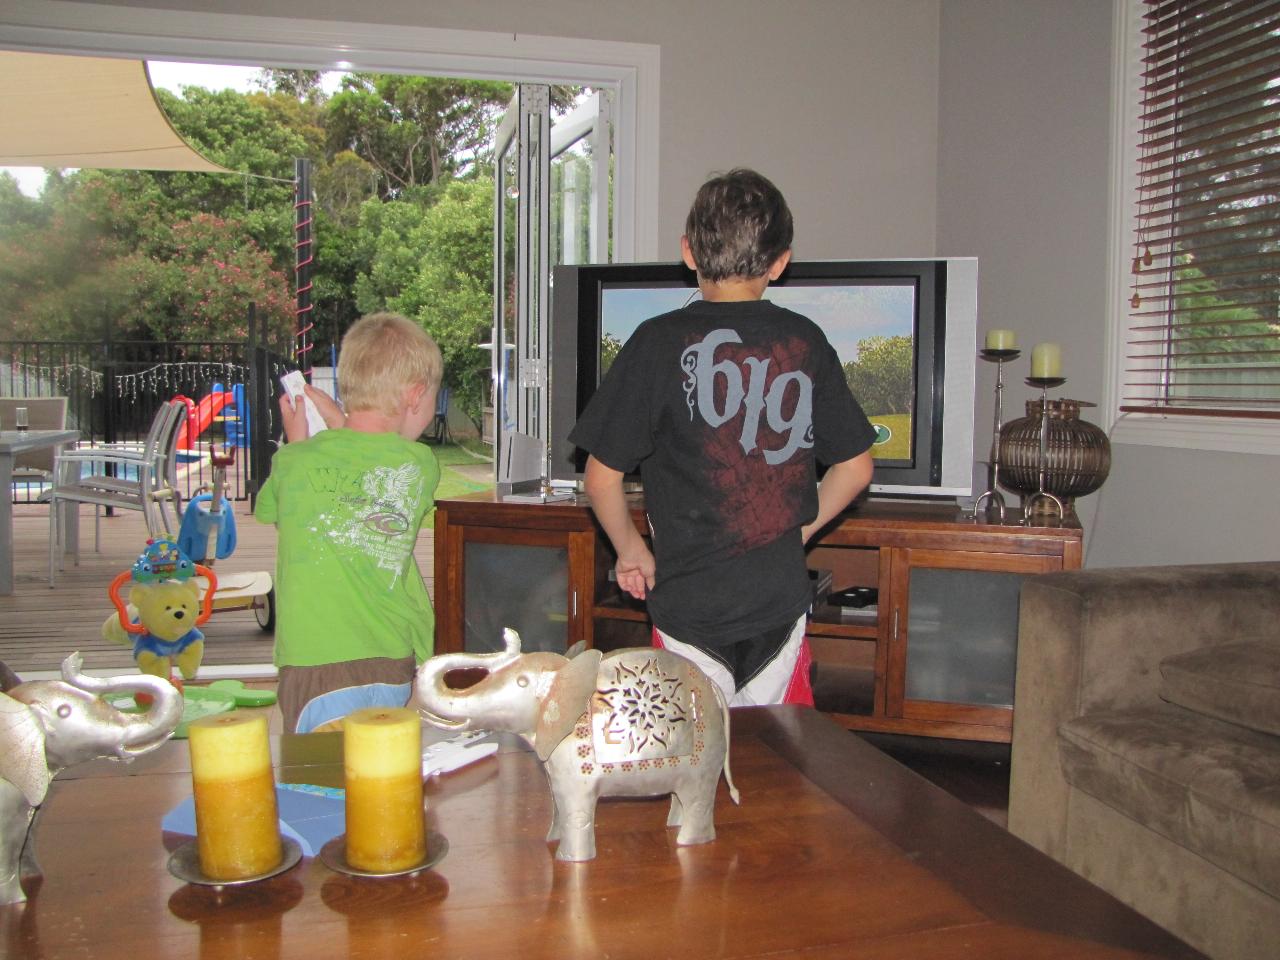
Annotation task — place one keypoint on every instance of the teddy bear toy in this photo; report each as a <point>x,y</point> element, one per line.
<point>162,618</point>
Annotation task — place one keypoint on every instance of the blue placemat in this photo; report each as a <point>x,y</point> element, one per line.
<point>309,814</point>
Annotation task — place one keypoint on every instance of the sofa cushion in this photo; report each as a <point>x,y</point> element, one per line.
<point>1209,786</point>
<point>1238,682</point>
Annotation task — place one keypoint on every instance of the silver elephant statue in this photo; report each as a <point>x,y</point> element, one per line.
<point>47,725</point>
<point>638,722</point>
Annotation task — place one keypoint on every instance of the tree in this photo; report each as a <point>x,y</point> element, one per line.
<point>414,130</point>
<point>102,262</point>
<point>448,258</point>
<point>610,347</point>
<point>199,280</point>
<point>881,377</point>
<point>298,84</point>
<point>342,185</point>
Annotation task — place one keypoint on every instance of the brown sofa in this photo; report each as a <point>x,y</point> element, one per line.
<point>1146,743</point>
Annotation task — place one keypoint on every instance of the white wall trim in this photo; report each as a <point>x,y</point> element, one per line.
<point>632,69</point>
<point>1218,434</point>
<point>1223,434</point>
<point>1120,187</point>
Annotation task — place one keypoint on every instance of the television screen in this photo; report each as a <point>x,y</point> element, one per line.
<point>871,325</point>
<point>904,331</point>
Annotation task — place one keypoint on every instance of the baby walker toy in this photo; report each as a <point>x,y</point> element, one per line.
<point>167,603</point>
<point>209,517</point>
<point>162,619</point>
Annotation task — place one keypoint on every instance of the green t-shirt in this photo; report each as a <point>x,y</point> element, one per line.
<point>347,507</point>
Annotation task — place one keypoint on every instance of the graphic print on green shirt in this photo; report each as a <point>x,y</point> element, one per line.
<point>347,507</point>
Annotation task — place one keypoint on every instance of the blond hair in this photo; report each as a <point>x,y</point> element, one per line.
<point>381,355</point>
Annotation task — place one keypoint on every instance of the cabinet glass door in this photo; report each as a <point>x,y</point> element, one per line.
<point>519,586</point>
<point>963,636</point>
<point>954,636</point>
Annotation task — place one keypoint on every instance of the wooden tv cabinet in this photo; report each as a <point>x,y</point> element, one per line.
<point>934,656</point>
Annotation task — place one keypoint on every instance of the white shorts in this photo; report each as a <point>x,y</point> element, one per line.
<point>784,679</point>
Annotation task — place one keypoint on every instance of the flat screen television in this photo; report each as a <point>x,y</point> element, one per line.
<point>905,332</point>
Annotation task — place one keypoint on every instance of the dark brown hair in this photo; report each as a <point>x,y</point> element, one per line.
<point>738,226</point>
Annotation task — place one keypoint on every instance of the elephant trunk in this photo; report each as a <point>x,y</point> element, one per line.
<point>450,707</point>
<point>146,731</point>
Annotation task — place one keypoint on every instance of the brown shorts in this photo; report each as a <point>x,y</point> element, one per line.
<point>298,686</point>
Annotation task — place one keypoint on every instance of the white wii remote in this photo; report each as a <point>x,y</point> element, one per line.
<point>449,755</point>
<point>293,382</point>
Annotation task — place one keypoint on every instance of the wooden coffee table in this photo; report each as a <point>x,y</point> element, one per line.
<point>837,851</point>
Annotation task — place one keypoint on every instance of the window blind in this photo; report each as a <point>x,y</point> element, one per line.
<point>1204,327</point>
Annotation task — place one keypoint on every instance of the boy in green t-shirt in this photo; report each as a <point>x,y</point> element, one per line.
<point>353,616</point>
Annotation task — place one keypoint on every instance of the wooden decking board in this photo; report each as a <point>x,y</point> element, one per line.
<point>39,626</point>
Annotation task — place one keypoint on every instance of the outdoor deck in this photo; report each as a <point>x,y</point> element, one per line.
<point>39,626</point>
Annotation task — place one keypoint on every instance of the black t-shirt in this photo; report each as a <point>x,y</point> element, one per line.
<point>725,407</point>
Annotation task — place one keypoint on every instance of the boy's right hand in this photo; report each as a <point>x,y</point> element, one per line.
<point>328,408</point>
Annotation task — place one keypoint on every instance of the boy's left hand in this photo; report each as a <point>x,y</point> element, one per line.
<point>334,416</point>
<point>635,574</point>
<point>294,416</point>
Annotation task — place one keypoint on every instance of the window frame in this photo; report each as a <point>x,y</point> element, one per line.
<point>1224,433</point>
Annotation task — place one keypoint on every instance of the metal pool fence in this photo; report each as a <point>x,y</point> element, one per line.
<point>114,387</point>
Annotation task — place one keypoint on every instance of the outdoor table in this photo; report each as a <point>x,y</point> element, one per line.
<point>13,442</point>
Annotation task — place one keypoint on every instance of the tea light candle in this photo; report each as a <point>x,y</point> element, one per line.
<point>1046,361</point>
<point>1001,340</point>
<point>382,750</point>
<point>237,826</point>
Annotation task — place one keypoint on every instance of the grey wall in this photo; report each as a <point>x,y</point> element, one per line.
<point>1022,182</point>
<point>906,128</point>
<point>1023,168</point>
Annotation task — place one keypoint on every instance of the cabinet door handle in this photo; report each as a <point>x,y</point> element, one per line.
<point>574,595</point>
<point>895,624</point>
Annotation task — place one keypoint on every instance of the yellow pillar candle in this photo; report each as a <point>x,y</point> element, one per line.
<point>1046,360</point>
<point>1001,340</point>
<point>382,750</point>
<point>237,826</point>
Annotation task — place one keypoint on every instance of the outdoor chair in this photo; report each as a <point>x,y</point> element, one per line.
<point>126,477</point>
<point>438,429</point>
<point>43,413</point>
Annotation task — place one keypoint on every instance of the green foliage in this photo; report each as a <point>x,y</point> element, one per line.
<point>204,274</point>
<point>413,130</point>
<point>106,262</point>
<point>881,376</point>
<point>442,268</point>
<point>298,84</point>
<point>610,347</point>
<point>1213,326</point>
<point>402,220</point>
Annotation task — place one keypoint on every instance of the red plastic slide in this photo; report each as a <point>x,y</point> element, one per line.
<point>200,416</point>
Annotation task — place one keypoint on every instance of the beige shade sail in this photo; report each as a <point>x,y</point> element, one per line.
<point>88,112</point>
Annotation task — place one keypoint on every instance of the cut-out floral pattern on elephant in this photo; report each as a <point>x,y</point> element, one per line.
<point>638,722</point>
<point>47,725</point>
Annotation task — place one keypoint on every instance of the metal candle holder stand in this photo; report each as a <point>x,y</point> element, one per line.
<point>1043,383</point>
<point>999,358</point>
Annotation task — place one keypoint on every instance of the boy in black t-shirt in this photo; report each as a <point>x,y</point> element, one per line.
<point>725,405</point>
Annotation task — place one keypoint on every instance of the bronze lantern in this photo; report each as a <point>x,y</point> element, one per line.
<point>1074,461</point>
